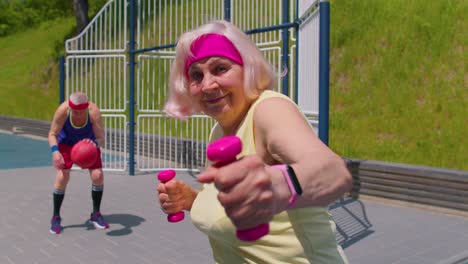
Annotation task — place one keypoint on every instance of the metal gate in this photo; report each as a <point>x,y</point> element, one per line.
<point>122,61</point>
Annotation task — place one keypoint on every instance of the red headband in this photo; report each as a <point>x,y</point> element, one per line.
<point>77,106</point>
<point>210,45</point>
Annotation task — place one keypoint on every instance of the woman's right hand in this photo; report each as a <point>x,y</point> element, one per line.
<point>250,192</point>
<point>57,160</point>
<point>175,196</point>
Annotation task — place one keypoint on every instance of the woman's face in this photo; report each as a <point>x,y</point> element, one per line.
<point>217,85</point>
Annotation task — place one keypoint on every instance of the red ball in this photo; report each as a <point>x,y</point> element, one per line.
<point>84,154</point>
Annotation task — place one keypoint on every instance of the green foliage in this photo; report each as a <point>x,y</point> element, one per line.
<point>29,65</point>
<point>16,15</point>
<point>95,6</point>
<point>398,81</point>
<point>29,71</point>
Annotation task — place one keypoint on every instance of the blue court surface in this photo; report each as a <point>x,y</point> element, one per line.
<point>17,151</point>
<point>23,152</point>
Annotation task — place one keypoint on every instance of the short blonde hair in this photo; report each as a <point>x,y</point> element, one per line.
<point>258,73</point>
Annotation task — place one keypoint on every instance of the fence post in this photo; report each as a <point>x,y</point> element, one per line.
<point>285,48</point>
<point>131,103</point>
<point>324,78</point>
<point>227,10</point>
<point>296,57</point>
<point>61,79</point>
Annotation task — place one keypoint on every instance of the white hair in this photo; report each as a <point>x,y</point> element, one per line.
<point>78,98</point>
<point>258,73</point>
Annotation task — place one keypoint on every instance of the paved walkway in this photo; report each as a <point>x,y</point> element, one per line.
<point>371,231</point>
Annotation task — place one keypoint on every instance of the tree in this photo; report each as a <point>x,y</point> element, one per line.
<point>80,8</point>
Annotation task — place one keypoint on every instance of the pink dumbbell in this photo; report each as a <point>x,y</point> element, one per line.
<point>222,152</point>
<point>165,176</point>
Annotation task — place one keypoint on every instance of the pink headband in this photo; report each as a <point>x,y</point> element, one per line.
<point>77,106</point>
<point>211,45</point>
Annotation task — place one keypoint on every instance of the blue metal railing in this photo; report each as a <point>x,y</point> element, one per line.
<point>324,76</point>
<point>131,102</point>
<point>324,36</point>
<point>61,79</point>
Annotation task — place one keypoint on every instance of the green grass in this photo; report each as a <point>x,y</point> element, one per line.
<point>29,71</point>
<point>398,79</point>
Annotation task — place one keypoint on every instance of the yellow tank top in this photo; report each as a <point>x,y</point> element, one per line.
<point>296,236</point>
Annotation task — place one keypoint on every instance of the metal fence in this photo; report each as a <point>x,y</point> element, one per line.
<point>122,61</point>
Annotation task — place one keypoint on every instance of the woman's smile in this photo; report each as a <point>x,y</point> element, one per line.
<point>218,85</point>
<point>214,100</point>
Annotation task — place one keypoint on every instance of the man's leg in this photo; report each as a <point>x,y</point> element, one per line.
<point>96,195</point>
<point>97,178</point>
<point>61,181</point>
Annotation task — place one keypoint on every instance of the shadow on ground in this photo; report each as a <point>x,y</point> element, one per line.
<point>351,221</point>
<point>126,221</point>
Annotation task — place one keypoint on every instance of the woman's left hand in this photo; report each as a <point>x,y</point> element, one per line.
<point>246,191</point>
<point>175,196</point>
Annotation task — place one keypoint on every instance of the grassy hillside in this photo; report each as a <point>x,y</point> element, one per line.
<point>29,72</point>
<point>398,79</point>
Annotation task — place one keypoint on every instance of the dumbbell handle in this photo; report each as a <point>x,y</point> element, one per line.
<point>165,176</point>
<point>222,152</point>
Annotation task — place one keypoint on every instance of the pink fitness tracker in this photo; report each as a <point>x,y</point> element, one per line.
<point>291,179</point>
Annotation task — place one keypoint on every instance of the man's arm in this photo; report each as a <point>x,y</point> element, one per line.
<point>57,123</point>
<point>98,128</point>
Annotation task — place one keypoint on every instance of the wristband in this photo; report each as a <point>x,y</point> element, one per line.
<point>294,194</point>
<point>294,180</point>
<point>53,149</point>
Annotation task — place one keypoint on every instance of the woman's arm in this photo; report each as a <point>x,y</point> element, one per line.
<point>283,136</point>
<point>253,192</point>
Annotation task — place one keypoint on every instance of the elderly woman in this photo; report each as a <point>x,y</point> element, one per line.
<point>285,175</point>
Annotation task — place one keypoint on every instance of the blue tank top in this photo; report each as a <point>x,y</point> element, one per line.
<point>71,134</point>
